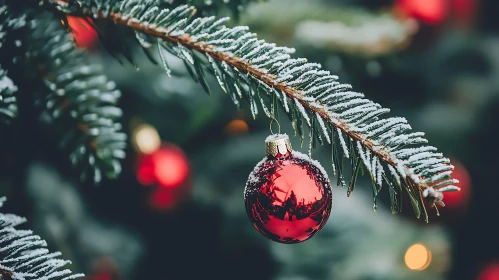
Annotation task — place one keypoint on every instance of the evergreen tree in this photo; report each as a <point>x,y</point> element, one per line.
<point>79,103</point>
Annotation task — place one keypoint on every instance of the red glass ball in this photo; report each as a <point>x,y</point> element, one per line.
<point>491,272</point>
<point>431,12</point>
<point>459,200</point>
<point>171,167</point>
<point>168,166</point>
<point>288,198</point>
<point>83,33</point>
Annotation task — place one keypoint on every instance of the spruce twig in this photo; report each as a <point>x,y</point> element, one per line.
<point>241,61</point>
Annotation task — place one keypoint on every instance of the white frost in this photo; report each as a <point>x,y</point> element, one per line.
<point>274,137</point>
<point>343,144</point>
<point>6,83</point>
<point>312,161</point>
<point>323,126</point>
<point>303,112</point>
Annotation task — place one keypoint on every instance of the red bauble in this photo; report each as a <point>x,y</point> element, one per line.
<point>83,33</point>
<point>288,196</point>
<point>167,171</point>
<point>428,11</point>
<point>458,200</point>
<point>105,268</point>
<point>162,199</point>
<point>464,12</point>
<point>491,272</point>
<point>171,167</point>
<point>167,166</point>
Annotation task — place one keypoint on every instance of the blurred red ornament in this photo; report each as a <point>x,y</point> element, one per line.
<point>170,167</point>
<point>168,170</point>
<point>428,11</point>
<point>237,127</point>
<point>464,11</point>
<point>168,199</point>
<point>288,197</point>
<point>105,268</point>
<point>145,171</point>
<point>83,32</point>
<point>491,272</point>
<point>460,198</point>
<point>102,276</point>
<point>167,166</point>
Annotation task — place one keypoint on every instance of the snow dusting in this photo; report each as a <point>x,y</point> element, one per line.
<point>6,83</point>
<point>312,161</point>
<point>315,92</point>
<point>302,111</point>
<point>274,137</point>
<point>21,247</point>
<point>343,144</point>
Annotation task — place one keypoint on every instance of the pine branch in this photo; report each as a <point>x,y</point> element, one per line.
<point>78,99</point>
<point>8,103</point>
<point>251,69</point>
<point>23,256</point>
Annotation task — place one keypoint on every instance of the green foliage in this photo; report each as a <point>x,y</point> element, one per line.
<point>8,105</point>
<point>323,26</point>
<point>247,69</point>
<point>267,77</point>
<point>24,256</point>
<point>78,100</point>
<point>8,102</point>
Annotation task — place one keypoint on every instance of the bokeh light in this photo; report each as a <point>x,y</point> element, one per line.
<point>460,198</point>
<point>146,139</point>
<point>162,199</point>
<point>104,268</point>
<point>145,171</point>
<point>167,166</point>
<point>427,11</point>
<point>491,272</point>
<point>464,11</point>
<point>83,33</point>
<point>237,127</point>
<point>417,257</point>
<point>170,166</point>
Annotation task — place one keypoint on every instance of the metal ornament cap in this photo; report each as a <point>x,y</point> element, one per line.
<point>277,144</point>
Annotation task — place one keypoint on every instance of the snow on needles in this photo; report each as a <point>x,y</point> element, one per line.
<point>259,69</point>
<point>25,255</point>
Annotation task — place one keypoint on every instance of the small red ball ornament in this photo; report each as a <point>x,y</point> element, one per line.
<point>167,166</point>
<point>166,170</point>
<point>288,196</point>
<point>83,32</point>
<point>490,272</point>
<point>459,200</point>
<point>171,167</point>
<point>431,12</point>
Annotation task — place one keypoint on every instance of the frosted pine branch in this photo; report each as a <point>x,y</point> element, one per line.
<point>8,102</point>
<point>23,255</point>
<point>79,98</point>
<point>264,73</point>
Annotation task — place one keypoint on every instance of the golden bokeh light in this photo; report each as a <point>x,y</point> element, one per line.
<point>417,257</point>
<point>146,139</point>
<point>237,127</point>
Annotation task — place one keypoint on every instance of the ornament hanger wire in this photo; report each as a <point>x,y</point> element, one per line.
<point>272,119</point>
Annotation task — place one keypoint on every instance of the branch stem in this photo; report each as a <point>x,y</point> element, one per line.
<point>269,79</point>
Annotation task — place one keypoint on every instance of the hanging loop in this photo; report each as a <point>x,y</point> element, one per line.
<point>272,119</point>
